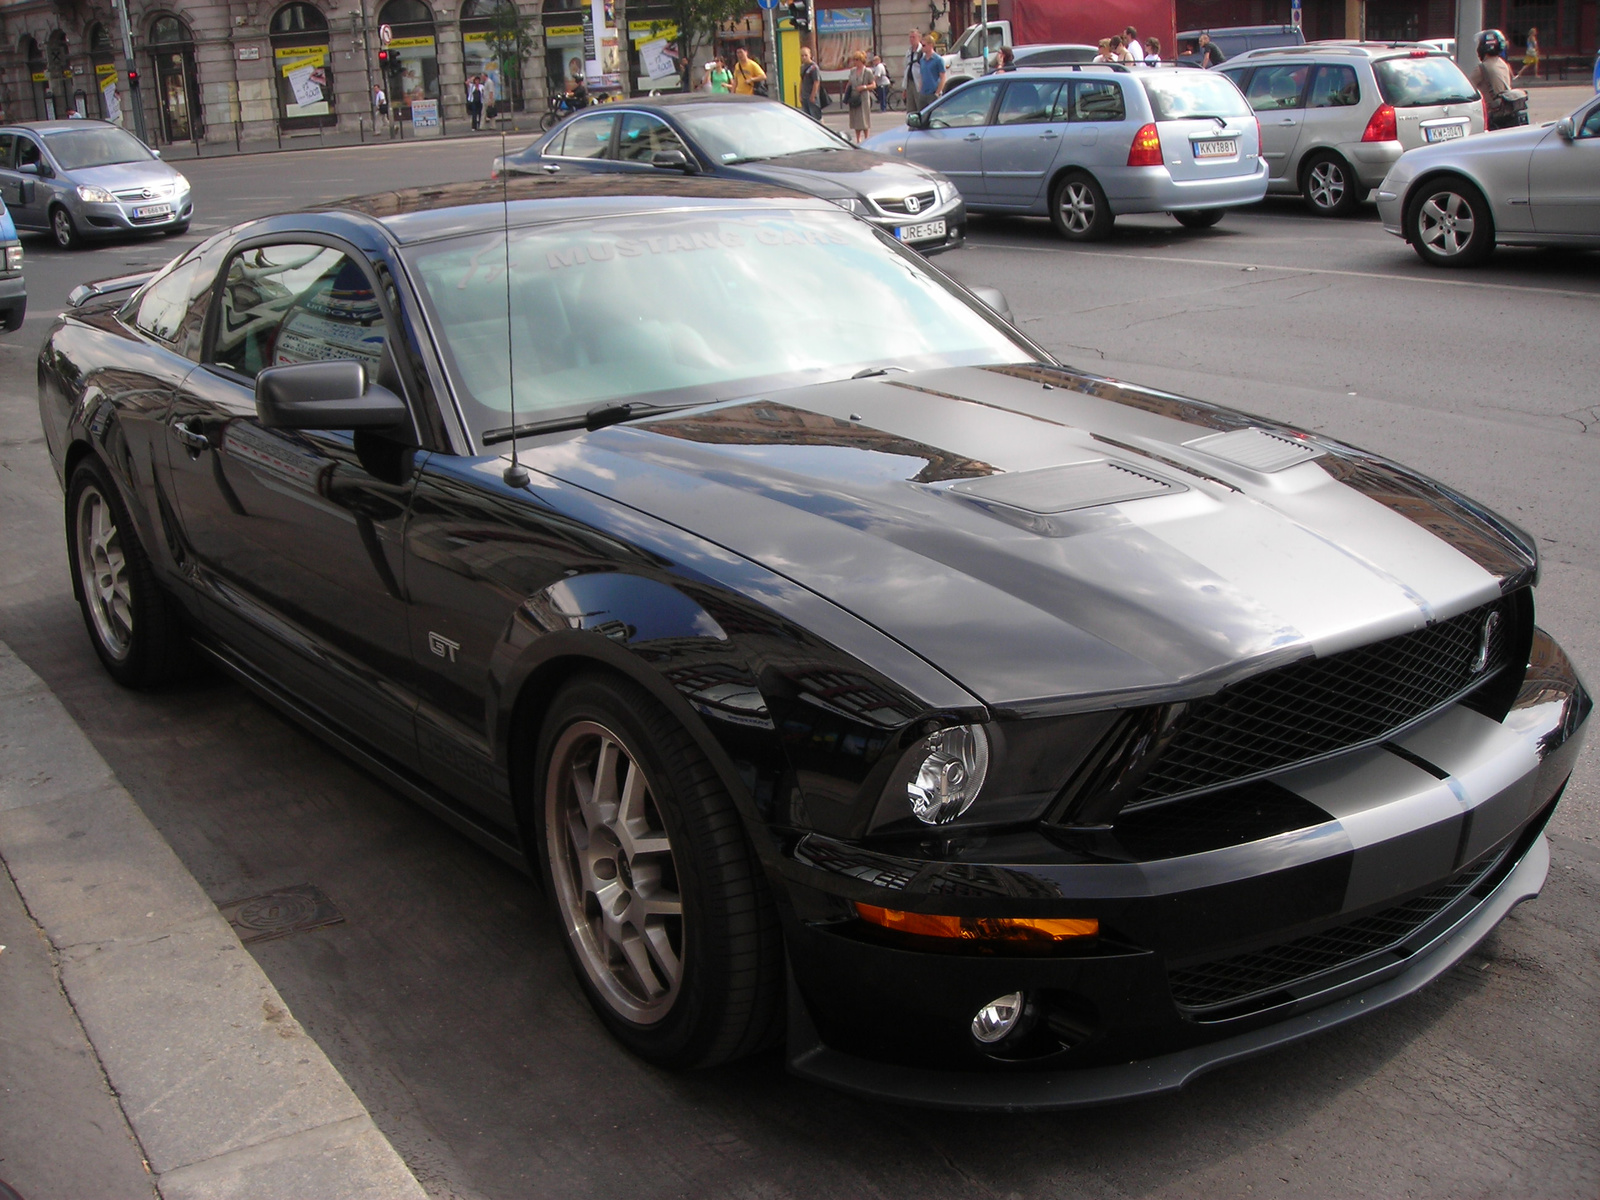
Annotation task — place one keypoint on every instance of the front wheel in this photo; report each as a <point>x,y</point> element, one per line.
<point>1448,224</point>
<point>667,916</point>
<point>1330,187</point>
<point>1080,210</point>
<point>1203,218</point>
<point>548,121</point>
<point>64,229</point>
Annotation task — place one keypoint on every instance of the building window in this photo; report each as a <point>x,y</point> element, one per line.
<point>177,85</point>
<point>413,71</point>
<point>304,67</point>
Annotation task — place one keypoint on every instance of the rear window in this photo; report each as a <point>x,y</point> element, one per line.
<point>1415,82</point>
<point>1184,97</point>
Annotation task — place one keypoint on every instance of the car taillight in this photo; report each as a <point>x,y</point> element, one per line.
<point>1146,148</point>
<point>1382,126</point>
<point>1258,137</point>
<point>1419,54</point>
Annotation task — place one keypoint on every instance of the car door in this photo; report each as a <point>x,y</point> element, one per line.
<point>641,136</point>
<point>33,172</point>
<point>584,144</point>
<point>1330,115</point>
<point>1023,141</point>
<point>293,538</point>
<point>1276,91</point>
<point>10,180</point>
<point>1564,179</point>
<point>951,140</point>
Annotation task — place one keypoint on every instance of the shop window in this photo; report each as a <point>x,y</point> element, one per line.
<point>413,72</point>
<point>304,65</point>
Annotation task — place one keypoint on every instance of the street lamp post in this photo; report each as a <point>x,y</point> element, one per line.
<point>131,70</point>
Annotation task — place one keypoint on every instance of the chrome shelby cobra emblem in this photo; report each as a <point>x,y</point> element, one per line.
<point>1485,639</point>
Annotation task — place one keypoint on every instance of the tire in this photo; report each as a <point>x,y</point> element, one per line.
<point>177,230</point>
<point>1079,209</point>
<point>688,973</point>
<point>11,318</point>
<point>135,626</point>
<point>64,229</point>
<point>1203,218</point>
<point>548,121</point>
<point>1329,186</point>
<point>1448,224</point>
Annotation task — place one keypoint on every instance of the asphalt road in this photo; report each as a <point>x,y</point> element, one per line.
<point>444,997</point>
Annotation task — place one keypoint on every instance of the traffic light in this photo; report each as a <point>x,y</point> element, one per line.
<point>383,59</point>
<point>133,78</point>
<point>800,15</point>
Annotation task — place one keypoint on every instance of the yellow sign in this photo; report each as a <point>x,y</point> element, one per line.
<point>564,31</point>
<point>649,31</point>
<point>292,58</point>
<point>410,43</point>
<point>40,77</point>
<point>105,70</point>
<point>475,37</point>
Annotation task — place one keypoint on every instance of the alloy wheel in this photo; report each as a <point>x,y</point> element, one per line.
<point>103,568</point>
<point>1326,185</point>
<point>62,229</point>
<point>1077,206</point>
<point>616,881</point>
<point>1445,224</point>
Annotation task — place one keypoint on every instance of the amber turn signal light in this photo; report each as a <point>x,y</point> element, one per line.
<point>984,929</point>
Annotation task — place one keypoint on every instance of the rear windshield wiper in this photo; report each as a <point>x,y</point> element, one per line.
<point>595,418</point>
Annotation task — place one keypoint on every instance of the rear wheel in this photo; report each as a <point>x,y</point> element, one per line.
<point>668,919</point>
<point>1447,223</point>
<point>548,121</point>
<point>1330,186</point>
<point>1203,218</point>
<point>1080,210</point>
<point>64,229</point>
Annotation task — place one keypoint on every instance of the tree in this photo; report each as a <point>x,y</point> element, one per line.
<point>512,37</point>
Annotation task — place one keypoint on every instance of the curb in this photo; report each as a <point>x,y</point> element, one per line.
<point>227,1095</point>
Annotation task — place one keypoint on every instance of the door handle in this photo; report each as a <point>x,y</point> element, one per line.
<point>973,137</point>
<point>192,438</point>
<point>1050,135</point>
<point>1288,121</point>
<point>551,168</point>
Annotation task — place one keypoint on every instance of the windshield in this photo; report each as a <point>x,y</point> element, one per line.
<point>77,148</point>
<point>733,133</point>
<point>1415,82</point>
<point>1194,96</point>
<point>686,308</point>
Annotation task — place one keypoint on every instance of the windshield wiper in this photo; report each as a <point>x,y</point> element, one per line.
<point>595,418</point>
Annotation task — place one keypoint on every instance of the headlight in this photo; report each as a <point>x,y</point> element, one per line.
<point>855,205</point>
<point>950,775</point>
<point>13,258</point>
<point>180,182</point>
<point>948,192</point>
<point>90,194</point>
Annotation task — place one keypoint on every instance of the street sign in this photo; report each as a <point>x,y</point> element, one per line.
<point>767,3</point>
<point>1294,13</point>
<point>386,35</point>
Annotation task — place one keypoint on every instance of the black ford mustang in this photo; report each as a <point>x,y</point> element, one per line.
<point>1002,736</point>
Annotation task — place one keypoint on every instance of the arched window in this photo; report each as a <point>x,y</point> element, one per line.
<point>304,66</point>
<point>177,80</point>
<point>169,30</point>
<point>104,60</point>
<point>413,71</point>
<point>38,75</point>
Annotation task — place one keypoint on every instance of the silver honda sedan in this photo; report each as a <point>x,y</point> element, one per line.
<point>76,179</point>
<point>1531,186</point>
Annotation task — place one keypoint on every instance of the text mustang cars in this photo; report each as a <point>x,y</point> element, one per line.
<point>849,671</point>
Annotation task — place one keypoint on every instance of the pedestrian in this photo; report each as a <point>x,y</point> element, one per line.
<point>1130,43</point>
<point>1008,59</point>
<point>380,102</point>
<point>858,91</point>
<point>1530,54</point>
<point>1210,53</point>
<point>880,77</point>
<point>1152,52</point>
<point>721,77</point>
<point>930,71</point>
<point>475,101</point>
<point>913,80</point>
<point>1105,52</point>
<point>810,85</point>
<point>749,79</point>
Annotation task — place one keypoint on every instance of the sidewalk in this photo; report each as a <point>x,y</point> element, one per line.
<point>143,1052</point>
<point>519,125</point>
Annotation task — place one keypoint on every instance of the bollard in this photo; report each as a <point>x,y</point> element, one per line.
<point>238,142</point>
<point>278,127</point>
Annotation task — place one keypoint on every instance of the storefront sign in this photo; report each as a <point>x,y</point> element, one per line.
<point>844,20</point>
<point>104,71</point>
<point>425,114</point>
<point>40,77</point>
<point>249,53</point>
<point>563,31</point>
<point>410,43</point>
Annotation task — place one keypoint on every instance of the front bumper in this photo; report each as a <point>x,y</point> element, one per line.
<point>1372,160</point>
<point>1153,189</point>
<point>1422,845</point>
<point>119,218</point>
<point>1392,205</point>
<point>13,300</point>
<point>953,215</point>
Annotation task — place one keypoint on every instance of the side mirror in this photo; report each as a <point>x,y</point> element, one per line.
<point>995,299</point>
<point>1566,129</point>
<point>326,395</point>
<point>154,153</point>
<point>916,121</point>
<point>27,168</point>
<point>672,160</point>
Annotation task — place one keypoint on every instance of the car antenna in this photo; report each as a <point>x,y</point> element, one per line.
<point>515,475</point>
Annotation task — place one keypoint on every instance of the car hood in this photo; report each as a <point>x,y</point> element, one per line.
<point>833,173</point>
<point>1053,541</point>
<point>120,176</point>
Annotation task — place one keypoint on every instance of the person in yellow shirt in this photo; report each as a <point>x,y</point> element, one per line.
<point>747,73</point>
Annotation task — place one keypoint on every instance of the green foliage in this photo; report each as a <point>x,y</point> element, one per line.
<point>697,22</point>
<point>512,38</point>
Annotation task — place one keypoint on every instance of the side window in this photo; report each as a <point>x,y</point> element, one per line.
<point>160,309</point>
<point>643,136</point>
<point>1591,124</point>
<point>1334,87</point>
<point>28,152</point>
<point>1277,87</point>
<point>969,106</point>
<point>1236,74</point>
<point>296,303</point>
<point>1029,104</point>
<point>588,137</point>
<point>1100,100</point>
<point>7,144</point>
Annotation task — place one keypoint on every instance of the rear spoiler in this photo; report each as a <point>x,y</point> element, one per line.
<point>85,292</point>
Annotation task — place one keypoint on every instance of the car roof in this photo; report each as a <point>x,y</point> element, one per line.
<point>1368,50</point>
<point>1237,30</point>
<point>56,126</point>
<point>690,100</point>
<point>1044,47</point>
<point>477,206</point>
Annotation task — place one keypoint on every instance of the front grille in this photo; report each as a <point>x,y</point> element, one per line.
<point>158,193</point>
<point>1318,706</point>
<point>925,202</point>
<point>1229,982</point>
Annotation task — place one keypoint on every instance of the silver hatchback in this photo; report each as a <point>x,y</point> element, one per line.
<point>1335,117</point>
<point>75,179</point>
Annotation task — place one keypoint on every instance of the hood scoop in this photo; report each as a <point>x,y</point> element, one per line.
<point>1255,450</point>
<point>1062,489</point>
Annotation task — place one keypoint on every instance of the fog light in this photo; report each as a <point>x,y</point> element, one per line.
<point>951,774</point>
<point>997,1018</point>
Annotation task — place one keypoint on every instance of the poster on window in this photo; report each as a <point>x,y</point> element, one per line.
<point>656,44</point>
<point>111,102</point>
<point>840,33</point>
<point>417,65</point>
<point>305,71</point>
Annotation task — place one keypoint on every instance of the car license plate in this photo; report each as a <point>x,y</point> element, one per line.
<point>147,211</point>
<point>1445,133</point>
<point>920,233</point>
<point>1217,148</point>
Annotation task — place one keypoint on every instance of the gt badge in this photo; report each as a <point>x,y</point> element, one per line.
<point>442,646</point>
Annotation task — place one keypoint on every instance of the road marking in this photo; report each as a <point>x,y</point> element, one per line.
<point>1248,266</point>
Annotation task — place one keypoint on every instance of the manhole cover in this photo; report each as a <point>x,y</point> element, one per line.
<point>285,911</point>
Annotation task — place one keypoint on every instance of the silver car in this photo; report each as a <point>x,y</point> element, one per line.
<point>1530,186</point>
<point>1334,118</point>
<point>1086,144</point>
<point>76,179</point>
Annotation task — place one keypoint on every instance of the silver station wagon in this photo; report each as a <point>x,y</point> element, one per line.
<point>1084,145</point>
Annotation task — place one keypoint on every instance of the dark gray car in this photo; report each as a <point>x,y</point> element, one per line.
<point>76,179</point>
